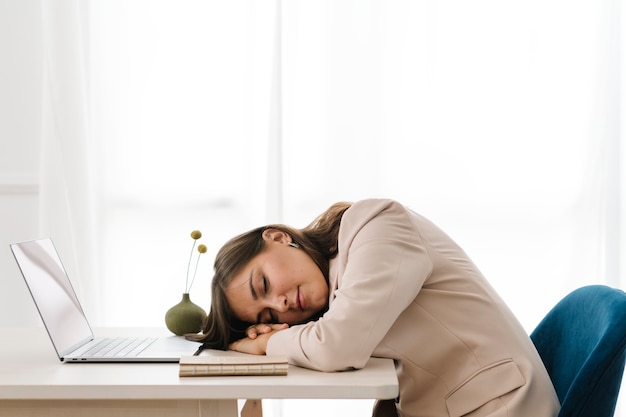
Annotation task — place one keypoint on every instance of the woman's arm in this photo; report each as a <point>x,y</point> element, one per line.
<point>257,337</point>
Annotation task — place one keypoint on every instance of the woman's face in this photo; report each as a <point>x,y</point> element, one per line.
<point>282,284</point>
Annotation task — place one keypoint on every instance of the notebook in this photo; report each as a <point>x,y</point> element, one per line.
<point>65,321</point>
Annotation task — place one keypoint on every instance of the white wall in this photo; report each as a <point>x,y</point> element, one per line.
<point>20,128</point>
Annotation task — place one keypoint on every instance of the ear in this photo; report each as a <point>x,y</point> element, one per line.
<point>276,236</point>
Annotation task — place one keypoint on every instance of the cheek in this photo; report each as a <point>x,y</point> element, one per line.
<point>309,272</point>
<point>322,298</point>
<point>241,308</point>
<point>284,275</point>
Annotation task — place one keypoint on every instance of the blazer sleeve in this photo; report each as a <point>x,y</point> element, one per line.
<point>385,267</point>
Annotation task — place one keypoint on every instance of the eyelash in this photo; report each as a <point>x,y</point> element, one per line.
<point>264,286</point>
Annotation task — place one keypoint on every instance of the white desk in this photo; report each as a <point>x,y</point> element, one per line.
<point>33,382</point>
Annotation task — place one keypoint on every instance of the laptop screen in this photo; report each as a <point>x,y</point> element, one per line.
<point>53,294</point>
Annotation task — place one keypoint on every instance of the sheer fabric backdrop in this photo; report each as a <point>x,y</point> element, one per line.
<point>181,114</point>
<point>499,120</point>
<point>67,174</point>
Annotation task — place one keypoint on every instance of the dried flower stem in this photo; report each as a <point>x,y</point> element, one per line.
<point>201,250</point>
<point>195,235</point>
<point>187,287</point>
<point>194,273</point>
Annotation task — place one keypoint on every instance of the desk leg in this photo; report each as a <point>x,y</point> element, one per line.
<point>252,408</point>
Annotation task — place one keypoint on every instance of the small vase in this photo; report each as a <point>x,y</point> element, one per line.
<point>185,317</point>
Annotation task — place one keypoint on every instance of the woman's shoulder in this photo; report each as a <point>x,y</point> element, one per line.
<point>373,207</point>
<point>375,210</point>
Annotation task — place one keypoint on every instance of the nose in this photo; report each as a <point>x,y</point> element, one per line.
<point>280,304</point>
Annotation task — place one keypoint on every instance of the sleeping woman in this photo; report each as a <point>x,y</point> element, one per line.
<point>374,278</point>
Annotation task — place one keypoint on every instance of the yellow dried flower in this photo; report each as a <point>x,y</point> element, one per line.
<point>195,235</point>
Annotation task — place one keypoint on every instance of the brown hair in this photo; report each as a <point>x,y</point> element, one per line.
<point>318,240</point>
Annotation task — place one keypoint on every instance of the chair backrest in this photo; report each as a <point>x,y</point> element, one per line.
<point>581,342</point>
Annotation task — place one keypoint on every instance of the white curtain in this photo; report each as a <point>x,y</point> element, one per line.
<point>67,161</point>
<point>182,102</point>
<point>499,120</point>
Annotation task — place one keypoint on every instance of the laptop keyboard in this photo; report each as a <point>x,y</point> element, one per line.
<point>118,347</point>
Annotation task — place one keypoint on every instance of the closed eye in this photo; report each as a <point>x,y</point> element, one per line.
<point>268,316</point>
<point>272,317</point>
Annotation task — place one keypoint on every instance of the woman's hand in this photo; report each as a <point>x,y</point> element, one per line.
<point>257,345</point>
<point>260,328</point>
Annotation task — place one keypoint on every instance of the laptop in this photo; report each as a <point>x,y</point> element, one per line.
<point>65,320</point>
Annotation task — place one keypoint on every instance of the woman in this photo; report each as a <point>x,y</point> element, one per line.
<point>374,278</point>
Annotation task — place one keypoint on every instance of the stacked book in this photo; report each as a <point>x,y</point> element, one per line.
<point>206,365</point>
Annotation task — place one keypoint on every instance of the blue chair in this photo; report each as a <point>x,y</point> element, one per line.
<point>581,342</point>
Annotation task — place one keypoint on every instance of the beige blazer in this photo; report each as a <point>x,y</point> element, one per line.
<point>401,288</point>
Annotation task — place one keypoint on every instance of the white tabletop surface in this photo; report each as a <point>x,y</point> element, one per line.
<point>30,369</point>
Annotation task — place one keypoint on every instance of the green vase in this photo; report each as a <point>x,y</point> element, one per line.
<point>185,317</point>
